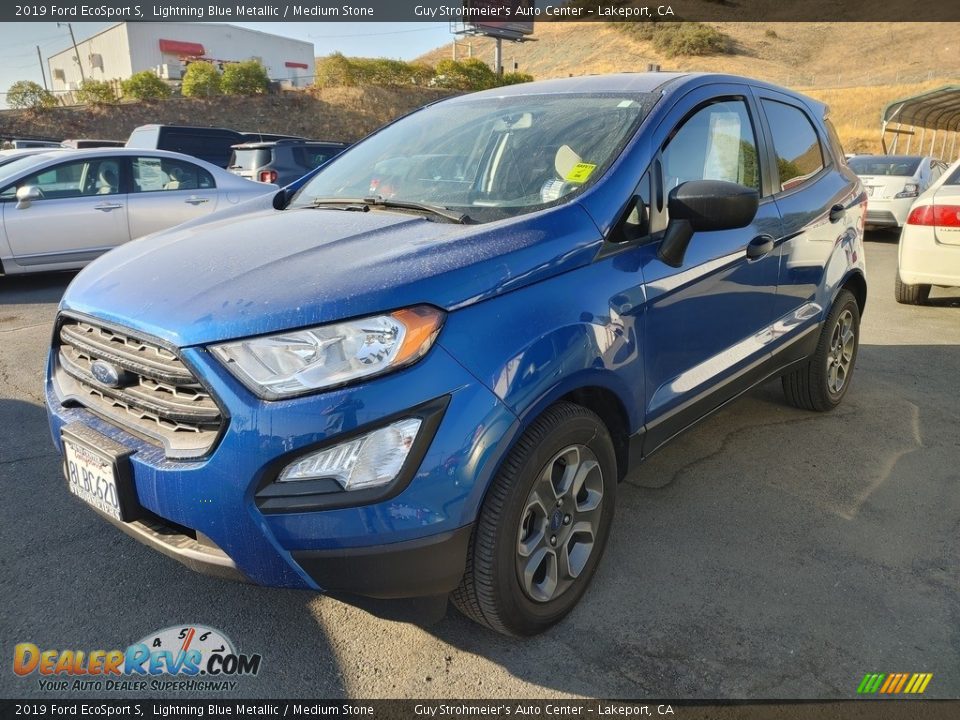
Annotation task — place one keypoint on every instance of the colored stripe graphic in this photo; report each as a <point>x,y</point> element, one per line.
<point>894,683</point>
<point>871,683</point>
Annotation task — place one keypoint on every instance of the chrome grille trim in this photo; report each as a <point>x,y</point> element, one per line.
<point>162,401</point>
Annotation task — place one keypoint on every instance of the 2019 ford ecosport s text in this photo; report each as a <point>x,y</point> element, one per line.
<point>425,370</point>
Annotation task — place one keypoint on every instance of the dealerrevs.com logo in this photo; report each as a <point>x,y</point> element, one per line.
<point>181,657</point>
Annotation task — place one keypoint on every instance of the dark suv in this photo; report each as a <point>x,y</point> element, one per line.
<point>207,143</point>
<point>282,161</point>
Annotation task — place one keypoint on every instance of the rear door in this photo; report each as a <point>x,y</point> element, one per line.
<point>818,201</point>
<point>707,322</point>
<point>165,192</point>
<point>82,213</point>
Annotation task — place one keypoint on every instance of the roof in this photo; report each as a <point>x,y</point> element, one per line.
<point>633,83</point>
<point>935,110</point>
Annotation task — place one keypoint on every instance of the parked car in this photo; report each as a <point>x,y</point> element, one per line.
<point>63,208</point>
<point>85,143</point>
<point>437,390</point>
<point>8,156</point>
<point>281,161</point>
<point>23,143</point>
<point>215,145</point>
<point>929,252</point>
<point>892,183</point>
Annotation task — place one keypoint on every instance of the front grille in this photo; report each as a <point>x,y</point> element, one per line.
<point>158,398</point>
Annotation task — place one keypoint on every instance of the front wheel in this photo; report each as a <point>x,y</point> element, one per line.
<point>543,525</point>
<point>821,382</point>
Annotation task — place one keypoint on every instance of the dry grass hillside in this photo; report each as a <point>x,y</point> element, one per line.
<point>857,68</point>
<point>339,113</point>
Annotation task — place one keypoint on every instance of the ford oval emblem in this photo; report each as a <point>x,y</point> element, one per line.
<point>106,373</point>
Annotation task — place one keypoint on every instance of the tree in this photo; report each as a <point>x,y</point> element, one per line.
<point>470,74</point>
<point>96,92</point>
<point>28,94</point>
<point>201,80</point>
<point>245,78</point>
<point>515,78</point>
<point>145,85</point>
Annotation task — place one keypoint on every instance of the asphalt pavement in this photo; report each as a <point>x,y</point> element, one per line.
<point>767,553</point>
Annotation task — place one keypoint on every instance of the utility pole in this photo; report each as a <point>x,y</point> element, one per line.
<point>75,50</point>
<point>498,57</point>
<point>42,72</point>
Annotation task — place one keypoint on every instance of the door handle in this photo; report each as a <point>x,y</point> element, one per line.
<point>196,200</point>
<point>758,247</point>
<point>107,207</point>
<point>837,213</point>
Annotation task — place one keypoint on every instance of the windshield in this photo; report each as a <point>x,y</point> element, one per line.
<point>20,163</point>
<point>488,158</point>
<point>893,165</point>
<point>954,178</point>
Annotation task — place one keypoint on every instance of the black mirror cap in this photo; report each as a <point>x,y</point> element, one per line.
<point>713,204</point>
<point>282,198</point>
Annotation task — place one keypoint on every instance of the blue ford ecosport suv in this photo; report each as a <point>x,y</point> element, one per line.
<point>425,370</point>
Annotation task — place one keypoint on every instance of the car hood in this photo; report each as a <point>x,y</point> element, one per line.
<point>269,270</point>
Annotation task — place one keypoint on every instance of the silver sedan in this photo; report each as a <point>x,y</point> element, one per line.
<point>62,209</point>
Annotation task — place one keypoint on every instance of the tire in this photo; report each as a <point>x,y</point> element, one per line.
<point>910,294</point>
<point>517,594</point>
<point>815,385</point>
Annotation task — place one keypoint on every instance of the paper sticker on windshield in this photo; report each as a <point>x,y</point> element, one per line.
<point>580,172</point>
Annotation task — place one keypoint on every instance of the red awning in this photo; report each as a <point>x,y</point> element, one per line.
<point>291,64</point>
<point>181,48</point>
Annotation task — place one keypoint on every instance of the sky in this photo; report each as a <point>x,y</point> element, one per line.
<point>405,41</point>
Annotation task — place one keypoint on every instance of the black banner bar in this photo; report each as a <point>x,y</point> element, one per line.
<point>494,11</point>
<point>466,709</point>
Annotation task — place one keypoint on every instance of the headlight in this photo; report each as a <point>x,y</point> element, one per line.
<point>293,363</point>
<point>371,460</point>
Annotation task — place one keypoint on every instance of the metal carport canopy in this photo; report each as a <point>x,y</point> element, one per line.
<point>935,110</point>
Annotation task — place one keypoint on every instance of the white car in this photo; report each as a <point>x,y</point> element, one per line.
<point>892,183</point>
<point>930,241</point>
<point>64,208</point>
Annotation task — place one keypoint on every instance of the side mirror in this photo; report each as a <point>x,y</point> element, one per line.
<point>703,206</point>
<point>282,197</point>
<point>26,195</point>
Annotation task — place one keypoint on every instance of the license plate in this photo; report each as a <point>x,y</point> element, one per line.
<point>97,471</point>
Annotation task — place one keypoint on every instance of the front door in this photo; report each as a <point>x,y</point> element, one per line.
<point>81,213</point>
<point>707,322</point>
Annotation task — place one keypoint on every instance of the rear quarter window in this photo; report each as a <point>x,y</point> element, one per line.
<point>799,153</point>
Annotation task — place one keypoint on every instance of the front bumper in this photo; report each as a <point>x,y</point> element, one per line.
<point>204,512</point>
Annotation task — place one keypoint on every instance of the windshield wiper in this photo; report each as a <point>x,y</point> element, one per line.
<point>438,210</point>
<point>364,204</point>
<point>340,204</point>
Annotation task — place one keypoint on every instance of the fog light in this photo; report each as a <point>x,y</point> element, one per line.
<point>371,460</point>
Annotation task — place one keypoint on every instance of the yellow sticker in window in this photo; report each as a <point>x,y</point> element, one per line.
<point>580,172</point>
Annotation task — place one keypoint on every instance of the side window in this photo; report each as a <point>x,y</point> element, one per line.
<point>715,143</point>
<point>153,174</point>
<point>72,180</point>
<point>799,154</point>
<point>834,139</point>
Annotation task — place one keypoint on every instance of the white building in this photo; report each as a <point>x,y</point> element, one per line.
<point>168,47</point>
